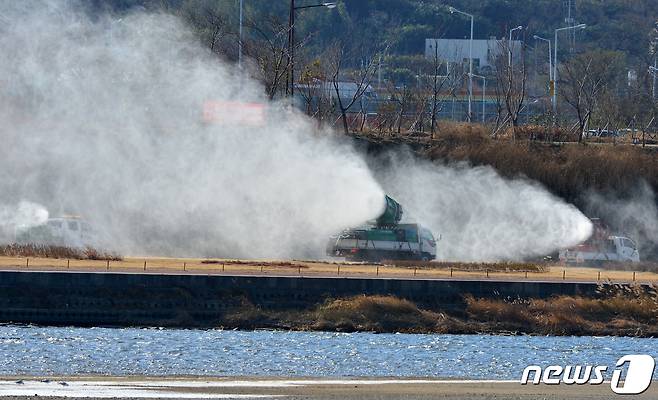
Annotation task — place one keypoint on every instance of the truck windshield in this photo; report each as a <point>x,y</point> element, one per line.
<point>427,235</point>
<point>629,243</point>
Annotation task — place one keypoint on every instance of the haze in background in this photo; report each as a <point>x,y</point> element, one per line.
<point>103,119</point>
<point>635,216</point>
<point>480,215</point>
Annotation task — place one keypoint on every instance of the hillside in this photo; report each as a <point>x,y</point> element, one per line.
<point>618,25</point>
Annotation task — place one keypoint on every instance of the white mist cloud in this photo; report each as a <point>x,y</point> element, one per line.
<point>480,215</point>
<point>21,215</point>
<point>25,213</point>
<point>103,118</point>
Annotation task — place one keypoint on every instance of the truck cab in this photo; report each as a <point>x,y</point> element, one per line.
<point>612,248</point>
<point>626,248</point>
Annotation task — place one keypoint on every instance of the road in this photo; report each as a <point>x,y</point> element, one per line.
<point>322,269</point>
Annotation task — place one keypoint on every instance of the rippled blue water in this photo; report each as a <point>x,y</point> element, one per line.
<point>69,351</point>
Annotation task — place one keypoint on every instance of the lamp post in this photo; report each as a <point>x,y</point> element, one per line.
<point>291,39</point>
<point>509,58</point>
<point>484,92</point>
<point>654,71</point>
<point>581,26</point>
<point>470,60</point>
<point>240,38</point>
<point>550,66</point>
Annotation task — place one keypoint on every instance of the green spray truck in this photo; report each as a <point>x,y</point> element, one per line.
<point>385,238</point>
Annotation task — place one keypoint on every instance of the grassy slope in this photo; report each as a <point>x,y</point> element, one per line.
<point>568,170</point>
<point>622,311</point>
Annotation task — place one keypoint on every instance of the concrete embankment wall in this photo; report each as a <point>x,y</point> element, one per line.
<point>116,299</point>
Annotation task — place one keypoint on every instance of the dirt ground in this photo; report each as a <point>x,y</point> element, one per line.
<point>317,268</point>
<point>307,388</point>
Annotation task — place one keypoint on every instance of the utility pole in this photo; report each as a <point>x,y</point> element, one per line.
<point>290,80</point>
<point>570,21</point>
<point>379,73</point>
<point>655,68</point>
<point>509,59</point>
<point>484,93</point>
<point>581,26</point>
<point>551,83</point>
<point>470,71</point>
<point>240,38</point>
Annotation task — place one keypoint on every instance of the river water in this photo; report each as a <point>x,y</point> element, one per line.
<point>29,350</point>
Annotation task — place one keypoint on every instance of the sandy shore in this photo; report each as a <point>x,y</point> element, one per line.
<point>298,388</point>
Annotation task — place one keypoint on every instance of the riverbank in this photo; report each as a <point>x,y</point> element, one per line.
<point>326,303</point>
<point>306,388</point>
<point>619,311</point>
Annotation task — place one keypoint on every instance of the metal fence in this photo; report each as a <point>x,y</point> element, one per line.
<point>323,269</point>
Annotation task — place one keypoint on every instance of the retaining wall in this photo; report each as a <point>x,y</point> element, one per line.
<point>131,299</point>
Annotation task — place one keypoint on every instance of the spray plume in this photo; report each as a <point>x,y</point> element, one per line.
<point>480,215</point>
<point>103,118</point>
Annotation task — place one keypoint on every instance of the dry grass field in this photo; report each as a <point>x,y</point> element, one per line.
<point>622,310</point>
<point>409,270</point>
<point>567,170</point>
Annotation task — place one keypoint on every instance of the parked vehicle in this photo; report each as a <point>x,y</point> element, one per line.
<point>602,133</point>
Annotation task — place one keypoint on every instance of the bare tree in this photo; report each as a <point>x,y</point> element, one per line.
<point>402,97</point>
<point>269,48</point>
<point>501,116</point>
<point>511,79</point>
<point>585,80</point>
<point>437,83</point>
<point>386,117</point>
<point>314,90</point>
<point>212,26</point>
<point>350,86</point>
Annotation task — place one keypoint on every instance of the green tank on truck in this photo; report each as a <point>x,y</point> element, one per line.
<point>384,238</point>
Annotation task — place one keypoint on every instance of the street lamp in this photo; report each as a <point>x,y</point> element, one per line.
<point>509,61</point>
<point>550,66</point>
<point>327,5</point>
<point>581,26</point>
<point>550,58</point>
<point>470,60</point>
<point>654,71</point>
<point>291,38</point>
<point>484,91</point>
<point>240,39</point>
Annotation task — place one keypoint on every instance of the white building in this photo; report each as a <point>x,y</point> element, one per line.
<point>456,50</point>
